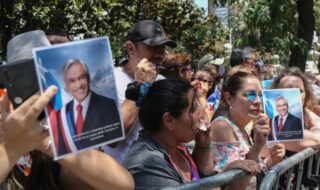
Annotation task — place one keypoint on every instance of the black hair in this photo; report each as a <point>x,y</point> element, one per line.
<point>56,31</point>
<point>168,95</point>
<point>44,175</point>
<point>236,57</point>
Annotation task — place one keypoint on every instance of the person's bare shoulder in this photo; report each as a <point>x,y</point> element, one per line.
<point>221,131</point>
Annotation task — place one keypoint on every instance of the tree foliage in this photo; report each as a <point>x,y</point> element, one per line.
<point>182,20</point>
<point>271,26</point>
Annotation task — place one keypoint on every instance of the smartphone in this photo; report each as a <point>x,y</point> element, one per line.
<point>20,80</point>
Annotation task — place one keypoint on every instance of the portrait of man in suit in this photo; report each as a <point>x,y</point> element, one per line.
<point>82,122</point>
<point>285,125</point>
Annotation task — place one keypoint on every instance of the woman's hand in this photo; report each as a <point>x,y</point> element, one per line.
<point>21,129</point>
<point>277,153</point>
<point>261,130</point>
<point>201,88</point>
<point>248,165</point>
<point>202,138</point>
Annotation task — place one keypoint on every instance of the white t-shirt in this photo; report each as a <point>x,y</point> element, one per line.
<point>120,151</point>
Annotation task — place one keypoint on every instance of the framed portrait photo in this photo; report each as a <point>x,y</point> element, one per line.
<point>285,111</point>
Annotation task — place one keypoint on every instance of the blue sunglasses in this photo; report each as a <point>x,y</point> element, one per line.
<point>251,95</point>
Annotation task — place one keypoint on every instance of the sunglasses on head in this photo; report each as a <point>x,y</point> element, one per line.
<point>251,95</point>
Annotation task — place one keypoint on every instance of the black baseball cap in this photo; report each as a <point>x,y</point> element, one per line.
<point>150,33</point>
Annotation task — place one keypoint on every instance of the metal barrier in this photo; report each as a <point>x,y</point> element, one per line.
<point>271,179</point>
<point>212,181</point>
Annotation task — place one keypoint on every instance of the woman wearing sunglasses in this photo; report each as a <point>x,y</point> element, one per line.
<point>240,104</point>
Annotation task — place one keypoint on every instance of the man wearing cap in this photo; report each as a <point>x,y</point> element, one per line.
<point>145,48</point>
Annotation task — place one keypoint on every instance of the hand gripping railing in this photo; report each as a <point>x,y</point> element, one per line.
<point>271,179</point>
<point>218,180</point>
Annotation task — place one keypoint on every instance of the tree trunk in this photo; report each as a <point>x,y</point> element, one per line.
<point>305,31</point>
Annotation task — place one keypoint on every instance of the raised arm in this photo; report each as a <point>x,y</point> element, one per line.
<point>261,132</point>
<point>145,72</point>
<point>97,169</point>
<point>202,152</point>
<point>129,113</point>
<point>21,129</point>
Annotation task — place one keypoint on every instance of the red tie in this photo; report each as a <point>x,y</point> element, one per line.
<point>79,123</point>
<point>280,125</point>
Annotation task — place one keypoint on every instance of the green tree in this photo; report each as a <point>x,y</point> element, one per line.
<point>93,18</point>
<point>279,27</point>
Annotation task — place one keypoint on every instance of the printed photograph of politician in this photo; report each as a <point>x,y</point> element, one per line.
<point>85,112</point>
<point>284,108</point>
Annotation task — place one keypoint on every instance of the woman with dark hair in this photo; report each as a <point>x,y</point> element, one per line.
<point>294,78</point>
<point>21,132</point>
<point>241,104</point>
<point>170,116</point>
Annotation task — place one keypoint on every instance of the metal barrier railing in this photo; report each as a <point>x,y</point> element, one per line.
<point>212,181</point>
<point>271,179</point>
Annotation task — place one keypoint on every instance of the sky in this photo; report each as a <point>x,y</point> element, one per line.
<point>202,3</point>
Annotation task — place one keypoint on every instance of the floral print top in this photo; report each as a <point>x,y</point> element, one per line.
<point>226,152</point>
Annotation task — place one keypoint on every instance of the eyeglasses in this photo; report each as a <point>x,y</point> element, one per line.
<point>251,95</point>
<point>201,79</point>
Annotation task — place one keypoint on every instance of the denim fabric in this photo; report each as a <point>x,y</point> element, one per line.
<point>150,165</point>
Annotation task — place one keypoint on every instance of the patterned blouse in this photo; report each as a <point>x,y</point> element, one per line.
<point>227,152</point>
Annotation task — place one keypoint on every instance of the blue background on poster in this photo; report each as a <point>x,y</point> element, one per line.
<point>95,53</point>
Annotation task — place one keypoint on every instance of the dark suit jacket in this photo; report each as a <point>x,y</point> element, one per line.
<point>102,111</point>
<point>292,128</point>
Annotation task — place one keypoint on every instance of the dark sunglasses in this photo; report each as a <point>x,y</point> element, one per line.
<point>251,95</point>
<point>201,79</point>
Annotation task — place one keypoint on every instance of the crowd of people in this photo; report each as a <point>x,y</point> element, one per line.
<point>181,123</point>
